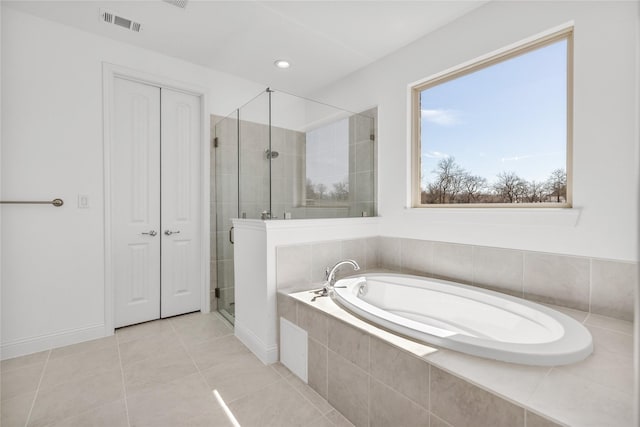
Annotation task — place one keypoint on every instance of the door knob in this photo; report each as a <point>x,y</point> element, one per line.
<point>150,233</point>
<point>169,232</point>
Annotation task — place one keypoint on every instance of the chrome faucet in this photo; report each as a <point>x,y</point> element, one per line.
<point>330,278</point>
<point>330,275</point>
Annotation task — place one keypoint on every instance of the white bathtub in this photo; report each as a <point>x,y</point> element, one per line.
<point>466,319</point>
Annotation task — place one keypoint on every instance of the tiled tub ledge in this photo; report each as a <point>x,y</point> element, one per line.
<point>376,378</point>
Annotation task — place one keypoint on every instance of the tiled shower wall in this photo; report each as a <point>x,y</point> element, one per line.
<point>362,160</point>
<point>595,285</point>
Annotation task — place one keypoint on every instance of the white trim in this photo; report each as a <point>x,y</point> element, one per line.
<point>31,345</point>
<point>109,73</point>
<point>266,354</point>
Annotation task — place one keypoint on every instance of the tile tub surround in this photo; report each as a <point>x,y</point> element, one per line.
<point>416,383</point>
<point>604,287</point>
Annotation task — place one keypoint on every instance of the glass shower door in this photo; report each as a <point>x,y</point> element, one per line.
<point>225,200</point>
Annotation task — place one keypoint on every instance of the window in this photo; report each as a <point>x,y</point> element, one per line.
<point>327,165</point>
<point>497,133</point>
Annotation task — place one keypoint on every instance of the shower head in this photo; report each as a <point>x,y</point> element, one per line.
<point>271,154</point>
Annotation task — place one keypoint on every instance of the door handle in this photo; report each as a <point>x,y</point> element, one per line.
<point>169,232</point>
<point>231,235</point>
<point>150,233</point>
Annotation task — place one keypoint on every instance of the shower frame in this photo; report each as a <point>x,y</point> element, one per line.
<point>256,134</point>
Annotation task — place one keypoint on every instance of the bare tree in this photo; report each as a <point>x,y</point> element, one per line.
<point>510,187</point>
<point>310,189</point>
<point>453,184</point>
<point>340,190</point>
<point>321,190</point>
<point>448,181</point>
<point>473,187</point>
<point>430,195</point>
<point>536,192</point>
<point>556,185</point>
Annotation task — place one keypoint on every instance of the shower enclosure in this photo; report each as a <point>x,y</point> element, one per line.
<point>281,157</point>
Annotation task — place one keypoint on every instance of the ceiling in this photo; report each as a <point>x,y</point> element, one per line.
<point>323,40</point>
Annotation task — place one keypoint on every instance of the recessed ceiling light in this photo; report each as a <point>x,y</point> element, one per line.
<point>282,63</point>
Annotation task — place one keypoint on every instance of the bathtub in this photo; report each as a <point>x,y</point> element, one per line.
<point>466,319</point>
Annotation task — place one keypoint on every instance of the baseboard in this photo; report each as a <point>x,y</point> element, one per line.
<point>46,342</point>
<point>267,354</point>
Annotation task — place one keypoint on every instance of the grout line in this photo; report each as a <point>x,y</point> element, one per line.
<point>525,403</point>
<point>523,265</point>
<point>326,370</point>
<point>441,420</point>
<point>590,282</point>
<point>289,384</point>
<point>369,400</point>
<point>35,396</point>
<point>429,388</point>
<point>474,255</point>
<point>124,388</point>
<point>369,379</point>
<point>614,331</point>
<point>186,349</point>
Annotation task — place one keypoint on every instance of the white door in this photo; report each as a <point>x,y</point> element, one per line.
<point>181,210</point>
<point>135,202</point>
<point>155,199</point>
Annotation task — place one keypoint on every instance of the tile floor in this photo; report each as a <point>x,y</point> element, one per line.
<point>159,374</point>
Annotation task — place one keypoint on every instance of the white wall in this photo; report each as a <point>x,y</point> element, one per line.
<point>604,222</point>
<point>53,258</point>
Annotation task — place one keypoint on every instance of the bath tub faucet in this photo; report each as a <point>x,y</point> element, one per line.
<point>330,278</point>
<point>330,274</point>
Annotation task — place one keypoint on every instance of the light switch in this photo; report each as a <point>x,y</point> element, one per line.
<point>83,201</point>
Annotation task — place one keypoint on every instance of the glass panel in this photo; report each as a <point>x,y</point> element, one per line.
<point>326,157</point>
<point>255,158</point>
<point>362,157</point>
<point>225,170</point>
<point>284,157</point>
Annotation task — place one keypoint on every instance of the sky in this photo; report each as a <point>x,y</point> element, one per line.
<point>327,154</point>
<point>510,116</point>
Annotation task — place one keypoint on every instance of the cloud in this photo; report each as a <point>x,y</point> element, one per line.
<point>435,155</point>
<point>516,158</point>
<point>441,117</point>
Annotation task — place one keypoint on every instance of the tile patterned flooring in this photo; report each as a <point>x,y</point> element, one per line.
<point>160,373</point>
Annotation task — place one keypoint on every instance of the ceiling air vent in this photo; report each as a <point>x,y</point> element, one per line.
<point>111,18</point>
<point>180,3</point>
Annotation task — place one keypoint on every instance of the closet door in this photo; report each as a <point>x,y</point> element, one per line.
<point>135,202</point>
<point>181,189</point>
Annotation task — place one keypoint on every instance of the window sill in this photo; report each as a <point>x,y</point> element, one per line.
<point>521,217</point>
